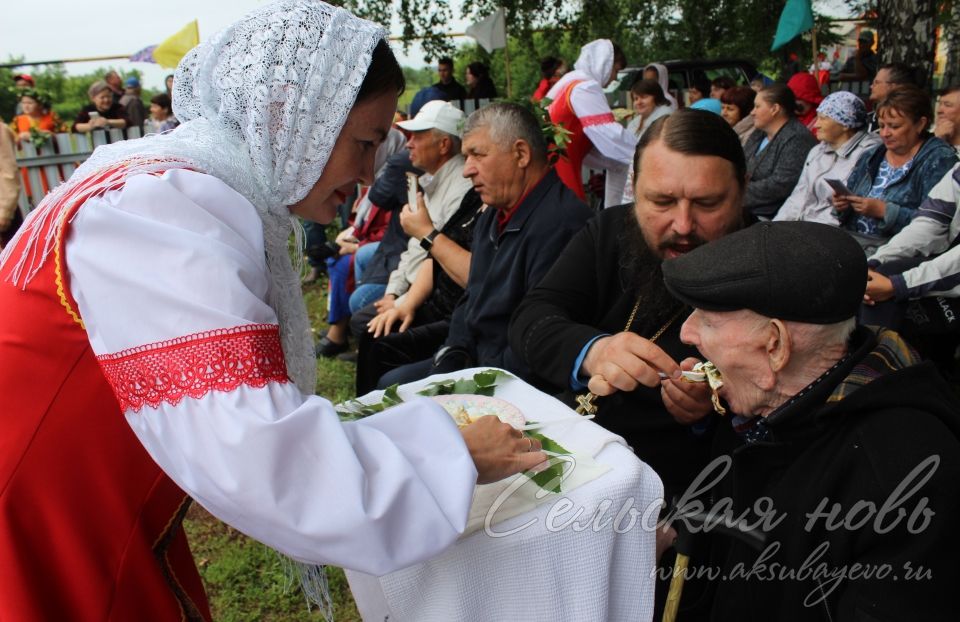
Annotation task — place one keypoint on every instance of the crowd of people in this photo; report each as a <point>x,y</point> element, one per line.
<point>580,308</point>
<point>114,103</point>
<point>804,245</point>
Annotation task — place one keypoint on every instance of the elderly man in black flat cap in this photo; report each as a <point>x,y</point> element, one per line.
<point>843,449</point>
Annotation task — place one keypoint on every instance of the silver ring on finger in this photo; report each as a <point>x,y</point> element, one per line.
<point>530,440</point>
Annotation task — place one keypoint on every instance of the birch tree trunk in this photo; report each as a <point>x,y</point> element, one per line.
<point>906,30</point>
<point>951,32</point>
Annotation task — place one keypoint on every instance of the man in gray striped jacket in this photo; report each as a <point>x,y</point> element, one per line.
<point>913,284</point>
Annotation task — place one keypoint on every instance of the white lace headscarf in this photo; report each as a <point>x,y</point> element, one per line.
<point>262,103</point>
<point>594,63</point>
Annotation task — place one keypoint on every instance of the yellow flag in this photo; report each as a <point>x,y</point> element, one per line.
<point>171,50</point>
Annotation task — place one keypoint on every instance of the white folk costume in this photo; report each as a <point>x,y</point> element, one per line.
<point>579,104</point>
<point>155,345</point>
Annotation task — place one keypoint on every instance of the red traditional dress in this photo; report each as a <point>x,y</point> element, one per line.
<point>141,360</point>
<point>90,526</point>
<point>597,140</point>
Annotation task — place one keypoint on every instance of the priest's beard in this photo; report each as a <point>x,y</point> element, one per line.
<point>641,276</point>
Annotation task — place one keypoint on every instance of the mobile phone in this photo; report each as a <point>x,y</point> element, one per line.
<point>94,115</point>
<point>412,186</point>
<point>838,187</point>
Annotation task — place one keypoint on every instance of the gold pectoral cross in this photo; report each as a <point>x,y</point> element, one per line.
<point>586,405</point>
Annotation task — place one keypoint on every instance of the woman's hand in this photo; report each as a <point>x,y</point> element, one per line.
<point>498,450</point>
<point>841,202</point>
<point>348,248</point>
<point>874,208</point>
<point>879,288</point>
<point>346,234</point>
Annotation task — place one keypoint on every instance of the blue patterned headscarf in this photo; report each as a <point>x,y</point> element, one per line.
<point>845,108</point>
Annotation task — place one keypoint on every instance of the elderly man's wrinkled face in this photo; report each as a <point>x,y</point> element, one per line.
<point>683,201</point>
<point>881,86</point>
<point>425,150</point>
<point>493,169</point>
<point>736,343</point>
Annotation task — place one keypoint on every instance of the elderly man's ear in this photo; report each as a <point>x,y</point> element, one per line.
<point>779,346</point>
<point>521,152</point>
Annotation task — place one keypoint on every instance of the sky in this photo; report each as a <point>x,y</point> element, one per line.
<point>72,29</point>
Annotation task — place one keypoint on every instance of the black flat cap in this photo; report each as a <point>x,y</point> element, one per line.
<point>796,271</point>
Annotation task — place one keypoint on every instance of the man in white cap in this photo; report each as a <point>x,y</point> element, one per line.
<point>435,148</point>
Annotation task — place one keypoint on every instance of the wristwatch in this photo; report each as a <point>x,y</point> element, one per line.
<point>426,243</point>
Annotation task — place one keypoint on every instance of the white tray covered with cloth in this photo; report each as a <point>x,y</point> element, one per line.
<point>587,553</point>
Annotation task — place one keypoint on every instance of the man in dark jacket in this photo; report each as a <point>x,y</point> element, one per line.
<point>843,451</point>
<point>530,217</point>
<point>602,320</point>
<point>447,83</point>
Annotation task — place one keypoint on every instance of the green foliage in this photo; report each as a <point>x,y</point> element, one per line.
<point>68,93</point>
<point>482,383</point>
<point>549,479</point>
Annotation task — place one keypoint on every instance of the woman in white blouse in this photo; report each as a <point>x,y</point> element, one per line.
<point>154,292</point>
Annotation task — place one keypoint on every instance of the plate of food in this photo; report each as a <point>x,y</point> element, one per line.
<point>465,409</point>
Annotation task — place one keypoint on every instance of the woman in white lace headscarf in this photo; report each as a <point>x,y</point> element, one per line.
<point>154,292</point>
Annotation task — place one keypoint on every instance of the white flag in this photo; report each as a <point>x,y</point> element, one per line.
<point>491,31</point>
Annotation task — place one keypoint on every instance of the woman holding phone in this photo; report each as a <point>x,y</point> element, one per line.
<point>101,113</point>
<point>889,182</point>
<point>841,123</point>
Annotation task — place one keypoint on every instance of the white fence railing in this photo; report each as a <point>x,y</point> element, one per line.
<point>56,161</point>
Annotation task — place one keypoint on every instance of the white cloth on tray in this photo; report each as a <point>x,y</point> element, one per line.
<point>535,566</point>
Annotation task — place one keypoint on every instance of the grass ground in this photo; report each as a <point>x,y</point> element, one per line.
<point>244,579</point>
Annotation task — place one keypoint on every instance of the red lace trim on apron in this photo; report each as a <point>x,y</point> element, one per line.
<point>194,365</point>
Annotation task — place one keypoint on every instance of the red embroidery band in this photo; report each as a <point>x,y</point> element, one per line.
<point>194,365</point>
<point>597,119</point>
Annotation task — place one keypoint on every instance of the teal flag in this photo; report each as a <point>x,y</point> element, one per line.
<point>796,19</point>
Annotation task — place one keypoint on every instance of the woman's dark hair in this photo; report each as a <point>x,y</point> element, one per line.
<point>740,96</point>
<point>781,94</point>
<point>549,65</point>
<point>723,82</point>
<point>911,102</point>
<point>162,100</point>
<point>384,74</point>
<point>479,70</point>
<point>649,87</point>
<point>701,84</point>
<point>697,133</point>
<point>619,58</point>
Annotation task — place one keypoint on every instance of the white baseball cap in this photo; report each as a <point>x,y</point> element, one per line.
<point>436,115</point>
